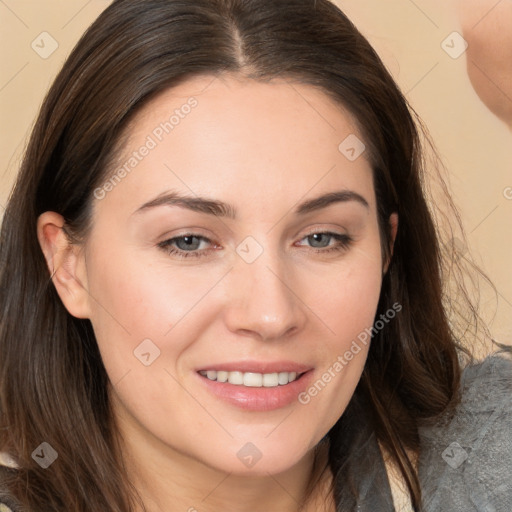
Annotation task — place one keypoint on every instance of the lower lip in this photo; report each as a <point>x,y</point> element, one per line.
<point>259,399</point>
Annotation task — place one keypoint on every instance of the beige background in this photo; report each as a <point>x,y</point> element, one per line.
<point>475,146</point>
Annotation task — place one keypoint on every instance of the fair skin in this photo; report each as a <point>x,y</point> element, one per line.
<point>264,149</point>
<point>487,28</point>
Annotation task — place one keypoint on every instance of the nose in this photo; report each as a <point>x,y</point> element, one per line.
<point>263,301</point>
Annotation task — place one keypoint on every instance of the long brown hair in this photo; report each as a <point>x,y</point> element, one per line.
<point>53,382</point>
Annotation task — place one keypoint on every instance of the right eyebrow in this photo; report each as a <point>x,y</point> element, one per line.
<point>196,204</point>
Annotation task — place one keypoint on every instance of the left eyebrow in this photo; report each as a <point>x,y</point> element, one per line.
<point>221,209</point>
<point>318,203</point>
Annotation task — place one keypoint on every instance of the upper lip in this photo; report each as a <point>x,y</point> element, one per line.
<point>257,367</point>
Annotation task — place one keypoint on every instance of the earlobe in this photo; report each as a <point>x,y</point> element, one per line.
<point>66,264</point>
<point>393,223</point>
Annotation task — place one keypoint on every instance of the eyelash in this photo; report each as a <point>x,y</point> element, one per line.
<point>344,242</point>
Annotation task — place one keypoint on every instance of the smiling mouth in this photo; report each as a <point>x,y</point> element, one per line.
<point>252,380</point>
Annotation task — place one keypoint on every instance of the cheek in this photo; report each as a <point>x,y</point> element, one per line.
<point>347,304</point>
<point>350,299</point>
<point>137,301</point>
<point>346,294</point>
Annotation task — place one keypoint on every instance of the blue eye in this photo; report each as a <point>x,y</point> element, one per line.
<point>189,245</point>
<point>344,241</point>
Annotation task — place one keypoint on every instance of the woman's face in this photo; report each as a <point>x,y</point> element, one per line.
<point>181,291</point>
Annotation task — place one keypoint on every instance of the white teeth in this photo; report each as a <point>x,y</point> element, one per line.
<point>250,379</point>
<point>253,380</point>
<point>236,378</point>
<point>282,378</point>
<point>270,380</point>
<point>221,376</point>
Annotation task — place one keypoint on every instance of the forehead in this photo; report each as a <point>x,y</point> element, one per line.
<point>241,141</point>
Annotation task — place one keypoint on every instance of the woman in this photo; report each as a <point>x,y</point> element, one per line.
<point>222,284</point>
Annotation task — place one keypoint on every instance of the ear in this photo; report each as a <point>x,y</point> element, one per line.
<point>393,223</point>
<point>66,263</point>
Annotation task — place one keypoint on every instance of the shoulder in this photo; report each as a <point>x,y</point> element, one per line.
<point>466,458</point>
<point>6,503</point>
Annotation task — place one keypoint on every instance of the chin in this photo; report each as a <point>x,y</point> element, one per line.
<point>258,458</point>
